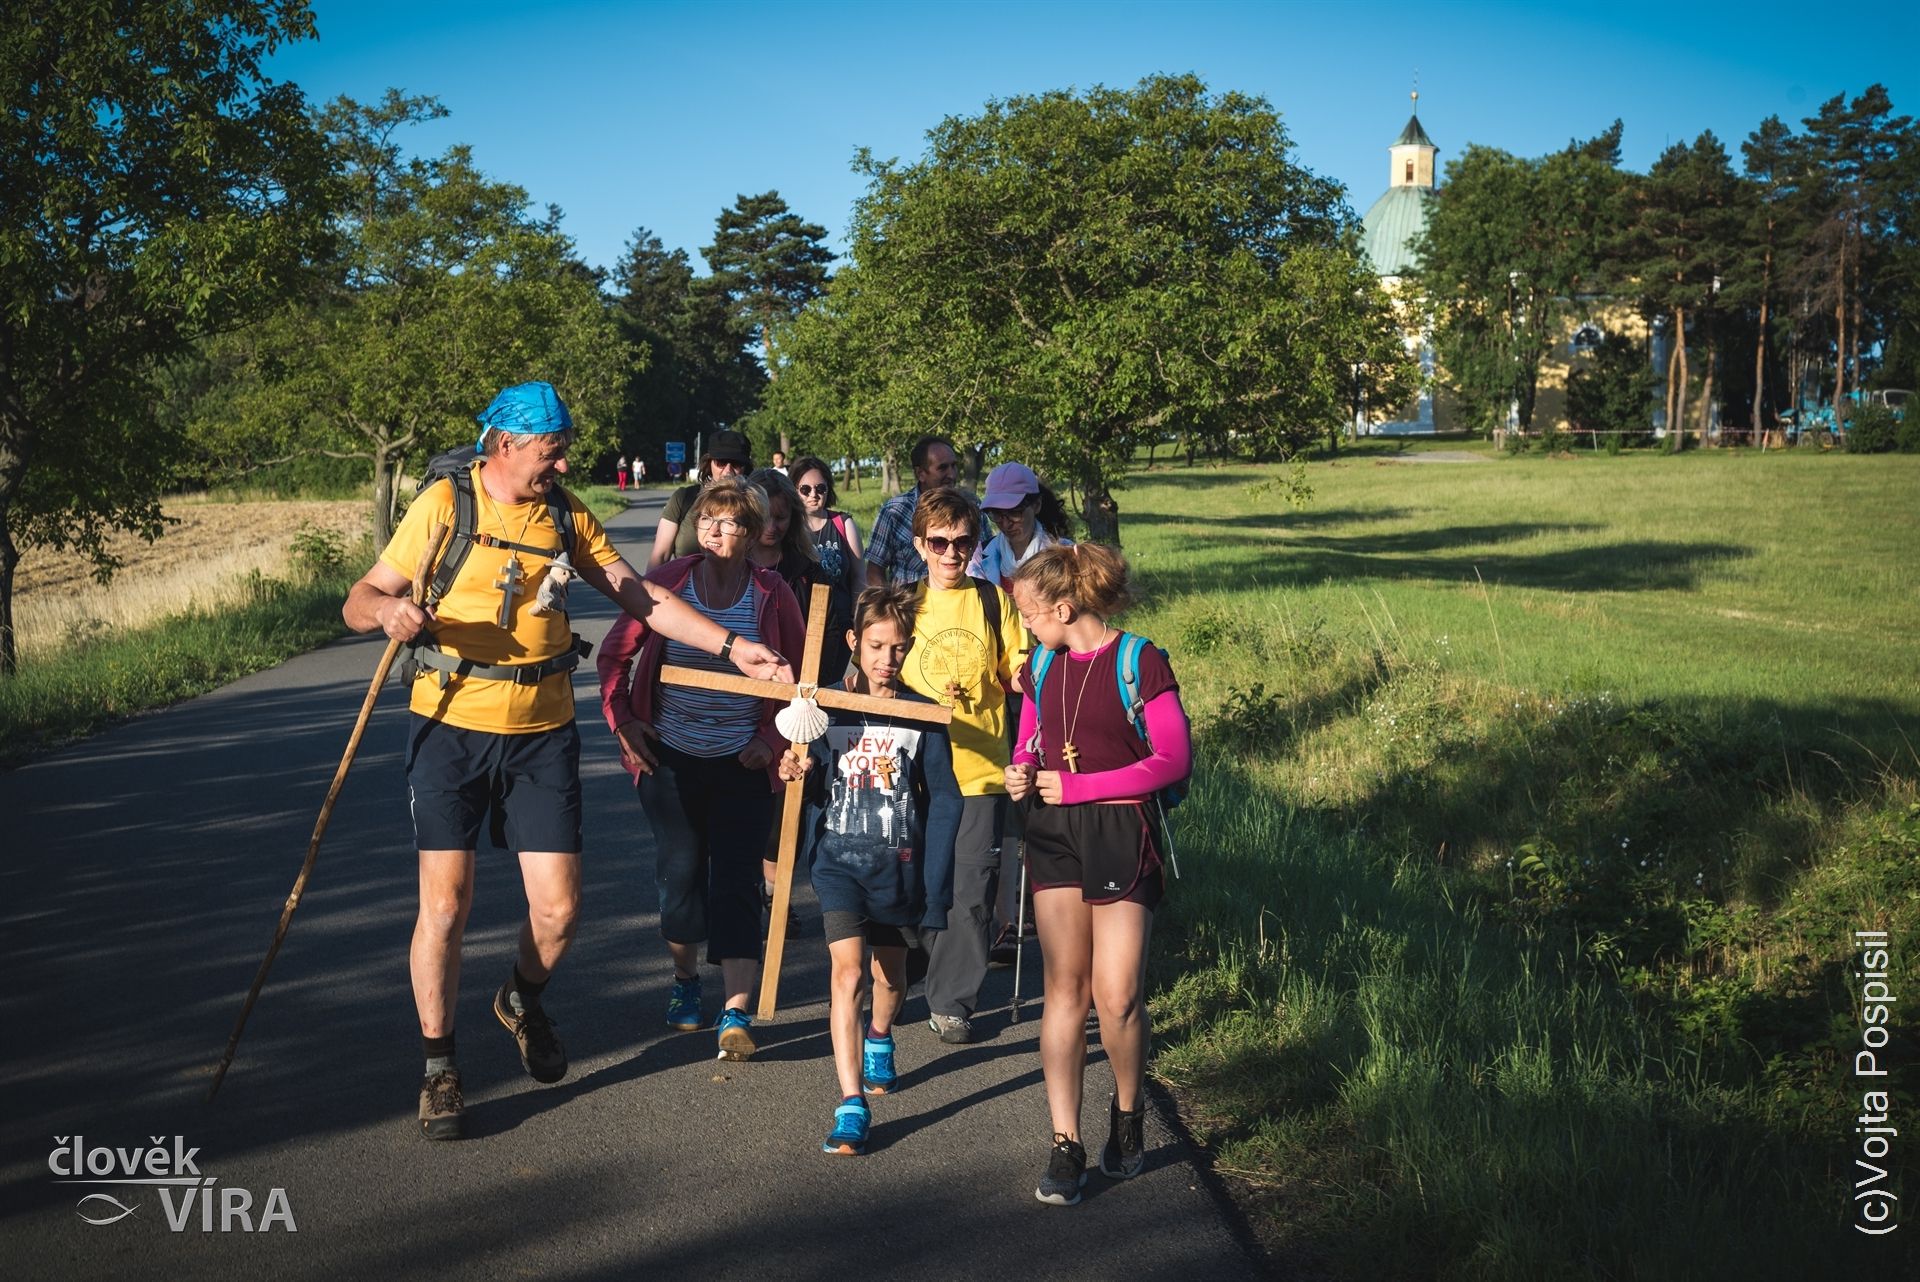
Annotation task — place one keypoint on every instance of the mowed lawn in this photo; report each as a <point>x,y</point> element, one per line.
<point>1787,578</point>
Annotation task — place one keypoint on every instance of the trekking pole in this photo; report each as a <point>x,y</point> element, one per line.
<point>436,537</point>
<point>1020,933</point>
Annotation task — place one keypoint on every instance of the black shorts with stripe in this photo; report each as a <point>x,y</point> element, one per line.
<point>1111,852</point>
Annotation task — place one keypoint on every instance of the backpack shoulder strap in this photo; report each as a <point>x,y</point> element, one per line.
<point>839,520</point>
<point>1126,668</point>
<point>560,512</point>
<point>466,519</point>
<point>990,606</point>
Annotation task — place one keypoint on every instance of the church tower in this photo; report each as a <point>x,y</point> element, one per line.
<point>1398,218</point>
<point>1413,153</point>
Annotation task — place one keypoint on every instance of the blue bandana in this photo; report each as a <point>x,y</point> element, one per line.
<point>527,409</point>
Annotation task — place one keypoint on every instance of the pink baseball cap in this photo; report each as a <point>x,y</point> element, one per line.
<point>1010,485</point>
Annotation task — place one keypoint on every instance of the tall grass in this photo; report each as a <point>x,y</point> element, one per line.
<point>1526,843</point>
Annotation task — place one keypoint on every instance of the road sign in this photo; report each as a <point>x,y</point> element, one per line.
<point>676,451</point>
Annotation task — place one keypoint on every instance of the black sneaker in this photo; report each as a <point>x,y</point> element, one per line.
<point>1066,1173</point>
<point>541,1053</point>
<point>442,1109</point>
<point>1125,1152</point>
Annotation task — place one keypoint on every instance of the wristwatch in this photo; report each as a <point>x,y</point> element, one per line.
<point>726,647</point>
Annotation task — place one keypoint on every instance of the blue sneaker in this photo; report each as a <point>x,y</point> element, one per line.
<point>848,1138</point>
<point>877,1074</point>
<point>683,1005</point>
<point>736,1043</point>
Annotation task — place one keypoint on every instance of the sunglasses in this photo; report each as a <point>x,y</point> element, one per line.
<point>939,543</point>
<point>811,490</point>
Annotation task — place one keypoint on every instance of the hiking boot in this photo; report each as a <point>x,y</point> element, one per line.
<point>442,1109</point>
<point>541,1053</point>
<point>1066,1173</point>
<point>877,1074</point>
<point>683,1005</point>
<point>848,1138</point>
<point>954,1030</point>
<point>1125,1152</point>
<point>736,1043</point>
<point>1006,948</point>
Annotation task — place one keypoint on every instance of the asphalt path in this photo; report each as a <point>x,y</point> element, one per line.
<point>143,872</point>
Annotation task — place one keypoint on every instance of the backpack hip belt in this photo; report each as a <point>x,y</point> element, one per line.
<point>423,657</point>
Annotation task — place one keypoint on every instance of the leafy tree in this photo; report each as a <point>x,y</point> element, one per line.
<point>1614,394</point>
<point>1508,243</point>
<point>698,373</point>
<point>767,263</point>
<point>1773,164</point>
<point>158,188</point>
<point>444,290</point>
<point>1068,275</point>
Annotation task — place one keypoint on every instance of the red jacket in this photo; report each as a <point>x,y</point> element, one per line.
<point>627,691</point>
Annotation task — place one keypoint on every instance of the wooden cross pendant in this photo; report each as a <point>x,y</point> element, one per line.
<point>1072,755</point>
<point>511,577</point>
<point>785,691</point>
<point>883,767</point>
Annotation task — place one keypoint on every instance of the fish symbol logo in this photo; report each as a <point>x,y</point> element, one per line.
<point>101,1211</point>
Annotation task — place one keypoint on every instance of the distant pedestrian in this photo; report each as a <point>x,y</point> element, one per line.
<point>779,460</point>
<point>1089,776</point>
<point>639,471</point>
<point>620,472</point>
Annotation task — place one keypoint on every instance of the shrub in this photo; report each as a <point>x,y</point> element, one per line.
<point>1872,429</point>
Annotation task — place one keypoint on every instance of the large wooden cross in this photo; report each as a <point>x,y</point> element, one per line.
<point>829,696</point>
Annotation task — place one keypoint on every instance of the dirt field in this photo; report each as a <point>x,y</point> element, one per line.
<point>214,546</point>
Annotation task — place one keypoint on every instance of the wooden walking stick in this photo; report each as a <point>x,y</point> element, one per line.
<point>832,697</point>
<point>436,538</point>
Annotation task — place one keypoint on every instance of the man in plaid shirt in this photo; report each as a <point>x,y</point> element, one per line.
<point>891,557</point>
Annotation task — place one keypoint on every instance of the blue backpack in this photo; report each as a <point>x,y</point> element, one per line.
<point>1126,669</point>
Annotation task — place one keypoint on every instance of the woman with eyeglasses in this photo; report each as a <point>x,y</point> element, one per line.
<point>1030,518</point>
<point>967,646</point>
<point>703,760</point>
<point>728,454</point>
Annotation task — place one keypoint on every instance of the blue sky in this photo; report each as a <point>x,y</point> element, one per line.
<point>660,114</point>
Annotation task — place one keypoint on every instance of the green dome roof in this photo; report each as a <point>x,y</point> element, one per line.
<point>1390,227</point>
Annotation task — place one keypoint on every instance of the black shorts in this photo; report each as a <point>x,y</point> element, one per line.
<point>529,783</point>
<point>1111,853</point>
<point>841,924</point>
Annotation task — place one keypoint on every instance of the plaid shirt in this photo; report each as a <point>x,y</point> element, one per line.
<point>891,547</point>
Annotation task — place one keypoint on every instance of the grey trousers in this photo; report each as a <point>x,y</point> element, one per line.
<point>957,956</point>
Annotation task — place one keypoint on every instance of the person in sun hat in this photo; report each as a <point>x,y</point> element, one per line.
<point>491,731</point>
<point>728,454</point>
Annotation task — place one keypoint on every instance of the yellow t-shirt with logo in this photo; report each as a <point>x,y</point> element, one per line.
<point>950,645</point>
<point>468,620</point>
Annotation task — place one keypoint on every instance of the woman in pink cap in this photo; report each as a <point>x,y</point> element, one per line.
<point>1030,517</point>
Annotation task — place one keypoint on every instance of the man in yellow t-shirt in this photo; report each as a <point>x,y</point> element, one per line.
<point>492,726</point>
<point>961,658</point>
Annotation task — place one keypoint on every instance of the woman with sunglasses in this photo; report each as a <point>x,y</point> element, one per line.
<point>968,643</point>
<point>703,760</point>
<point>836,545</point>
<point>727,455</point>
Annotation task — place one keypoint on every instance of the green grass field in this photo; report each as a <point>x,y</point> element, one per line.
<point>1537,799</point>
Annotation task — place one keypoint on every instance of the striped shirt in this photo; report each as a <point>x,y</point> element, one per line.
<point>708,723</point>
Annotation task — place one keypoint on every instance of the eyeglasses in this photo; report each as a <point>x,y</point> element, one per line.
<point>724,524</point>
<point>964,545</point>
<point>1001,515</point>
<point>812,490</point>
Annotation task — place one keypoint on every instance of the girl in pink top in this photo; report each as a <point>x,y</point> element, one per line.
<point>1088,780</point>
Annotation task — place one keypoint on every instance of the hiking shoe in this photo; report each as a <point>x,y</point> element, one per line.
<point>541,1053</point>
<point>1006,948</point>
<point>683,1005</point>
<point>1125,1152</point>
<point>1066,1173</point>
<point>877,1074</point>
<point>848,1138</point>
<point>442,1109</point>
<point>736,1043</point>
<point>954,1030</point>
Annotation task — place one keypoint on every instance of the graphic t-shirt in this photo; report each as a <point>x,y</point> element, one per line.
<point>468,620</point>
<point>951,645</point>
